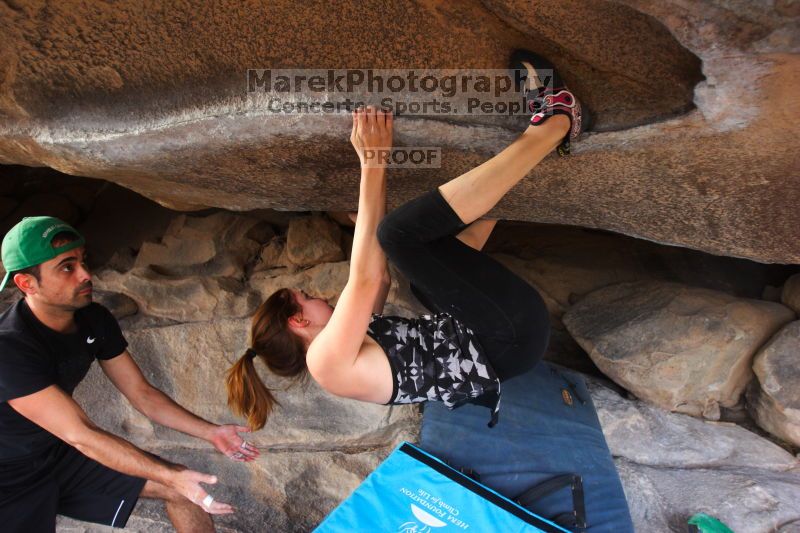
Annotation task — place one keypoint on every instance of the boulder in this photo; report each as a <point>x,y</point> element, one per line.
<point>310,432</point>
<point>746,499</point>
<point>316,448</point>
<point>119,223</point>
<point>673,466</point>
<point>774,398</point>
<point>325,280</point>
<point>189,299</point>
<point>529,273</point>
<point>645,434</point>
<point>313,240</point>
<point>216,245</point>
<point>565,263</point>
<point>686,349</point>
<point>120,305</point>
<point>790,295</point>
<point>273,255</point>
<point>678,128</point>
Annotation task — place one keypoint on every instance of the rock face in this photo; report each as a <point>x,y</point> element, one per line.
<point>790,295</point>
<point>312,240</point>
<point>672,161</point>
<point>325,280</point>
<point>184,299</point>
<point>673,466</point>
<point>685,349</point>
<point>774,399</point>
<point>217,245</point>
<point>195,273</point>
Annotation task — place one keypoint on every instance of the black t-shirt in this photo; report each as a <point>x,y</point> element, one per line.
<point>33,357</point>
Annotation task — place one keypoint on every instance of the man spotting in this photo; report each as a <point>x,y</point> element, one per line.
<point>53,459</point>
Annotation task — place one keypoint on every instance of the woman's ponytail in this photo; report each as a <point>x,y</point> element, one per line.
<point>282,350</point>
<point>248,397</point>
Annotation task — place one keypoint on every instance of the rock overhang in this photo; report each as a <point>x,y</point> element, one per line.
<point>157,106</point>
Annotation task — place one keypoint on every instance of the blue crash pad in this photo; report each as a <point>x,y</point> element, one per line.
<point>539,435</point>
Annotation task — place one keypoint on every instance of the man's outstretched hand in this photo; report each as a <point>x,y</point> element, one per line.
<point>187,483</point>
<point>226,439</point>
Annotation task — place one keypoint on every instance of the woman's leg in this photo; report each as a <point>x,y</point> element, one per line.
<point>475,236</point>
<point>506,313</point>
<point>473,194</point>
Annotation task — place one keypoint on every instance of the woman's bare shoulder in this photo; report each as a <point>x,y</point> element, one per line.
<point>368,379</point>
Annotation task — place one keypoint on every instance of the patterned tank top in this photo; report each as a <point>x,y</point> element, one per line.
<point>436,357</point>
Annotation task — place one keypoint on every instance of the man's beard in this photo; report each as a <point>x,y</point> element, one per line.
<point>79,301</point>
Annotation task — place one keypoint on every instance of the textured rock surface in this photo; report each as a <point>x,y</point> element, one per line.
<point>673,466</point>
<point>790,295</point>
<point>82,91</point>
<point>685,349</point>
<point>283,492</point>
<point>325,280</point>
<point>746,499</point>
<point>645,434</point>
<point>188,299</point>
<point>273,255</point>
<point>774,399</point>
<point>566,263</point>
<point>312,240</point>
<point>196,271</point>
<point>217,245</point>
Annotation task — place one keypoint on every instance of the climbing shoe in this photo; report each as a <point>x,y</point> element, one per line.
<point>547,95</point>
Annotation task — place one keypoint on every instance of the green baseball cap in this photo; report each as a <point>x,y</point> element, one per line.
<point>29,243</point>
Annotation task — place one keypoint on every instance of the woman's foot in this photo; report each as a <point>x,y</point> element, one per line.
<point>547,95</point>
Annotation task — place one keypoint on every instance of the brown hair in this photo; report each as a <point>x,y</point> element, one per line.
<point>283,351</point>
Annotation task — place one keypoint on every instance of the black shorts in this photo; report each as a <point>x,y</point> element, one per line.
<point>65,482</point>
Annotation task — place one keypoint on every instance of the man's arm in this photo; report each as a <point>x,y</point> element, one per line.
<point>55,411</point>
<point>125,374</point>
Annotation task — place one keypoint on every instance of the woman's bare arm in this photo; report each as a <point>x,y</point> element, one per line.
<point>372,131</point>
<point>335,349</point>
<point>386,282</point>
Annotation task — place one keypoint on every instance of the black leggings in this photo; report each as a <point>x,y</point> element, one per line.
<point>507,314</point>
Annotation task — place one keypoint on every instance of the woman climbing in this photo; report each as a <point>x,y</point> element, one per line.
<point>487,325</point>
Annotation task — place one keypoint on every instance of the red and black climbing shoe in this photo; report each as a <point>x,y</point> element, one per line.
<point>546,95</point>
